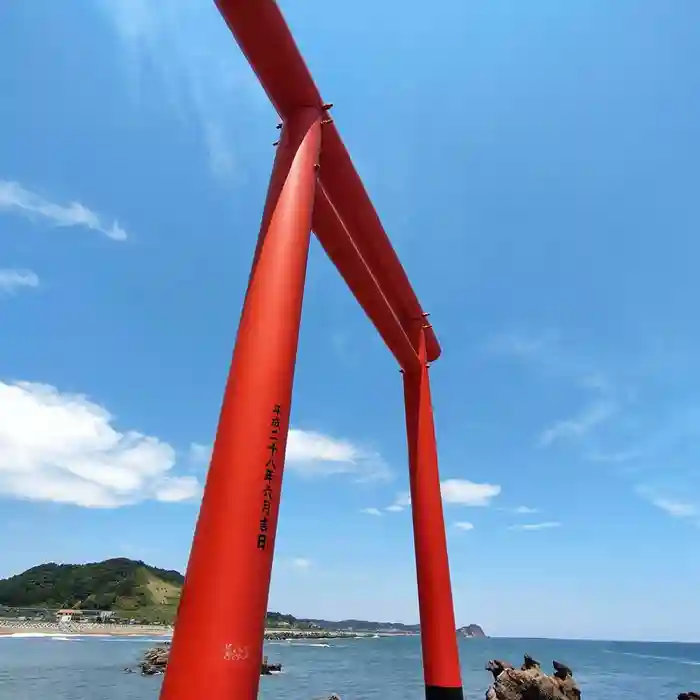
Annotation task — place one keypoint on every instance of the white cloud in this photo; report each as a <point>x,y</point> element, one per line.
<point>536,526</point>
<point>525,510</point>
<point>64,448</point>
<point>464,526</point>
<point>313,454</point>
<point>12,281</point>
<point>178,488</point>
<point>467,493</point>
<point>15,198</point>
<point>199,455</point>
<point>371,511</point>
<point>454,491</point>
<point>301,563</point>
<point>401,502</point>
<point>579,427</point>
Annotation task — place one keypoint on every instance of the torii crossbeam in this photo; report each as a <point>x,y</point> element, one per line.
<point>218,640</point>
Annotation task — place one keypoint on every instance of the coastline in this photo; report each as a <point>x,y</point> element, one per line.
<point>22,628</point>
<point>12,628</point>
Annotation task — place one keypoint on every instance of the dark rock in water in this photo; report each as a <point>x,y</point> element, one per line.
<point>689,696</point>
<point>561,670</point>
<point>530,682</point>
<point>268,669</point>
<point>529,662</point>
<point>497,666</point>
<point>155,660</point>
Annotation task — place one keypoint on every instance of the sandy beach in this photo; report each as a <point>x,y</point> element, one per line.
<point>24,628</point>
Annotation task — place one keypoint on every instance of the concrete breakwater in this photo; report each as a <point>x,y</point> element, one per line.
<point>279,635</point>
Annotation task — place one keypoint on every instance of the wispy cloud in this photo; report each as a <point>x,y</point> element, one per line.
<point>462,525</point>
<point>615,457</point>
<point>545,352</point>
<point>296,565</point>
<point>199,455</point>
<point>525,510</point>
<point>660,432</point>
<point>401,502</point>
<point>580,426</point>
<point>677,508</point>
<point>542,347</point>
<point>11,281</point>
<point>536,526</point>
<point>18,200</point>
<point>630,425</point>
<point>198,64</point>
<point>371,511</point>
<point>301,563</point>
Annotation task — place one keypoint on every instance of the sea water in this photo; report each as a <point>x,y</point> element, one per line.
<point>84,668</point>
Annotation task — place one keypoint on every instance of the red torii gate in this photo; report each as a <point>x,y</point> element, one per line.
<point>314,185</point>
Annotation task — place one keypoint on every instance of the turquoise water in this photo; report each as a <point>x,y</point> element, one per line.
<point>362,669</point>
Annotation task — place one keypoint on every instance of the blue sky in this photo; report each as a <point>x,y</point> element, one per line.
<point>535,166</point>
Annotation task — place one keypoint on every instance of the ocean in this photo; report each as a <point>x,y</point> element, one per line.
<point>83,668</point>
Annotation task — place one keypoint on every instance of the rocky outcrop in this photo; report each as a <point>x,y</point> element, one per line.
<point>496,666</point>
<point>530,682</point>
<point>471,631</point>
<point>155,660</point>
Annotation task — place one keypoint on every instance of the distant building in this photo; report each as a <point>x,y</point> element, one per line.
<point>69,615</point>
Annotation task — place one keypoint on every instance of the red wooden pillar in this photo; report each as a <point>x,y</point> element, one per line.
<point>441,668</point>
<point>217,645</point>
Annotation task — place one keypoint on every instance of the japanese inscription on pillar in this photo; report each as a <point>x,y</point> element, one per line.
<point>269,476</point>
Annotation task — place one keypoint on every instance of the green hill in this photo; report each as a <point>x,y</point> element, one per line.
<point>135,590</point>
<point>122,585</point>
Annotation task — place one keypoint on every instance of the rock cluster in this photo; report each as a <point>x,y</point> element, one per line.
<point>530,682</point>
<point>155,660</point>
